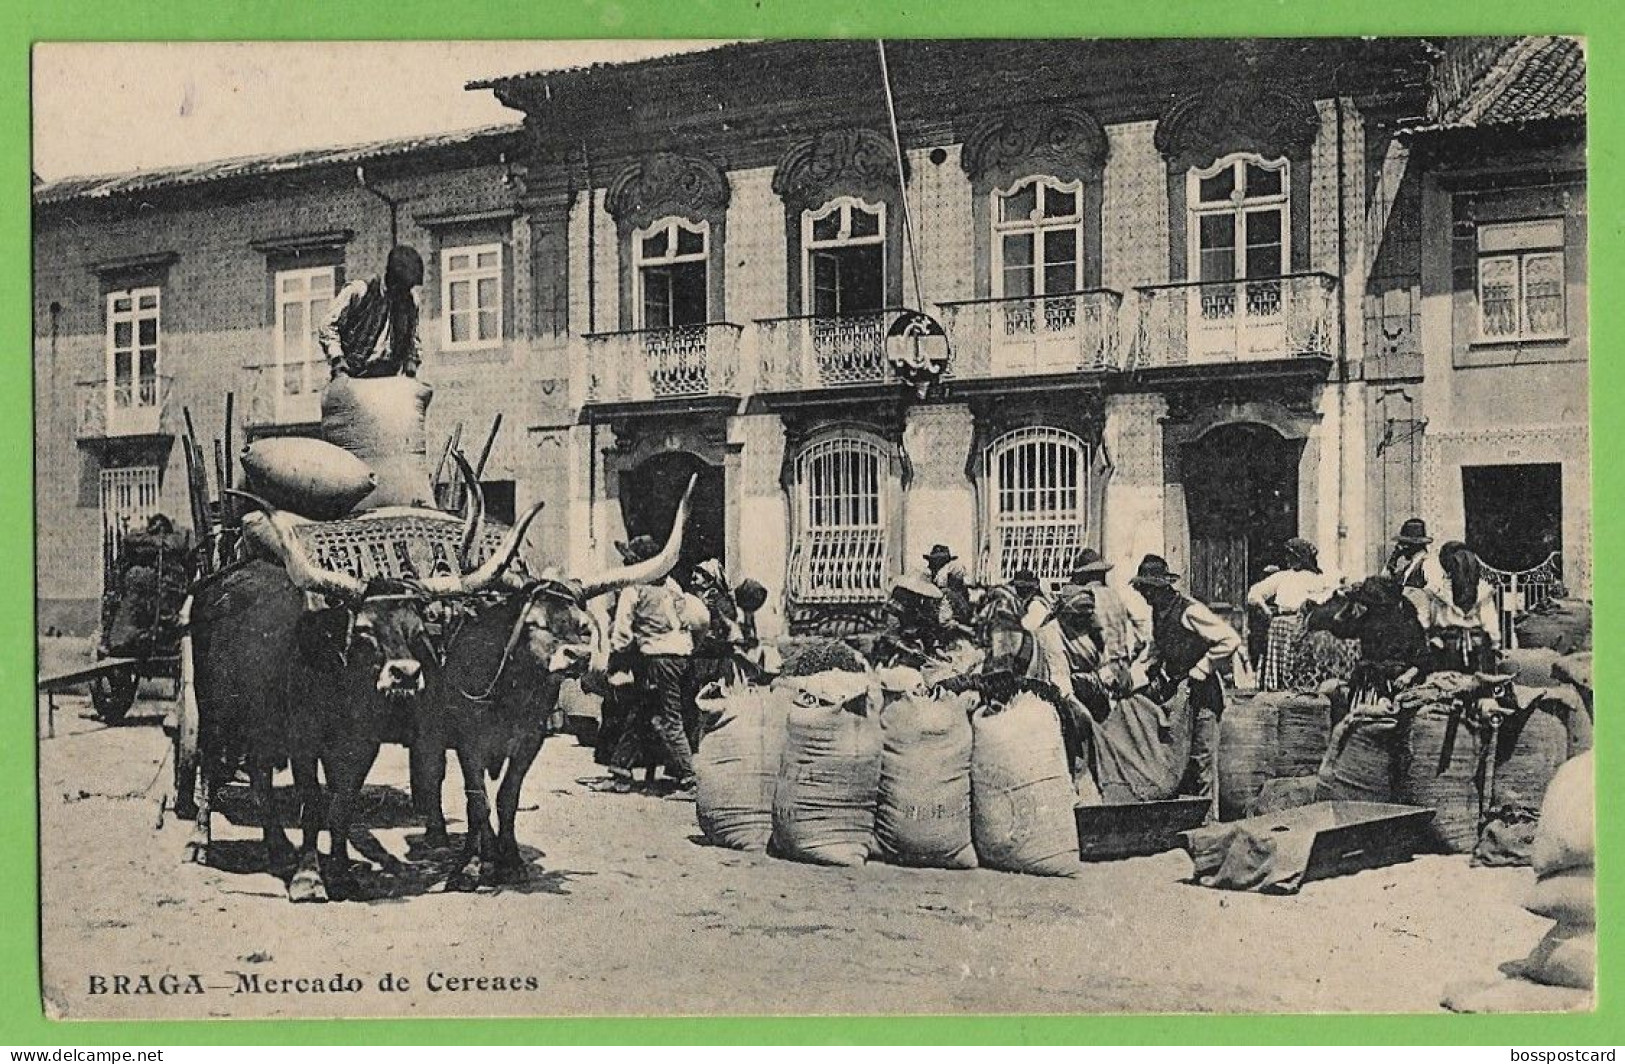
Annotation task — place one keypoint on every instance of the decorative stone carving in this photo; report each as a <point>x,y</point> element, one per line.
<point>667,183</point>
<point>1053,138</point>
<point>1083,413</point>
<point>840,161</point>
<point>1259,116</point>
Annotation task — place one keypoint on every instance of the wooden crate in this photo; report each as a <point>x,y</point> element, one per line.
<point>1112,832</point>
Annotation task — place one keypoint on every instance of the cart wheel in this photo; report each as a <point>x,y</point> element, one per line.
<point>113,695</point>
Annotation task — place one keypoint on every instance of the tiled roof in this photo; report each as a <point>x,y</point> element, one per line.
<point>107,186</point>
<point>641,64</point>
<point>1532,79</point>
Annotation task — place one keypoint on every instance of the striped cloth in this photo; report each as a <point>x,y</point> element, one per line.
<point>1281,652</point>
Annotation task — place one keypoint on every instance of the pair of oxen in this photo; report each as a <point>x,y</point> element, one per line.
<point>294,664</point>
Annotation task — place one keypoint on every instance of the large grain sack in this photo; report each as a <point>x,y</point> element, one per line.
<point>1140,751</point>
<point>1563,625</point>
<point>1285,793</point>
<point>829,776</point>
<point>1303,729</point>
<point>1567,956</point>
<point>1247,745</point>
<point>924,812</point>
<point>1441,772</point>
<point>1531,666</point>
<point>1566,837</point>
<point>1361,761</point>
<point>1022,799</point>
<point>308,477</point>
<point>1529,753</point>
<point>1569,897</point>
<point>738,766</point>
<point>381,421</point>
<point>1575,669</point>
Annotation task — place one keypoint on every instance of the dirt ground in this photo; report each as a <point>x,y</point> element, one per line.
<point>628,912</point>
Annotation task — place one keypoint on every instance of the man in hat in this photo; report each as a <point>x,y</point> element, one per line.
<point>943,568</point>
<point>648,622</point>
<point>1087,594</point>
<point>372,326</point>
<point>1411,563</point>
<point>1189,644</point>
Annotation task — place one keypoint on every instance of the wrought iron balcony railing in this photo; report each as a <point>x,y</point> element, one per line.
<point>1233,321</point>
<point>810,352</point>
<point>125,407</point>
<point>285,394</point>
<point>1066,333</point>
<point>688,361</point>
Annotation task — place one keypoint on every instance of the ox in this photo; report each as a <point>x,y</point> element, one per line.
<point>492,698</point>
<point>276,681</point>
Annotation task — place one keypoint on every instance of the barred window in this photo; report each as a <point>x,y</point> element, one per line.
<point>842,493</point>
<point>1036,482</point>
<point>1520,280</point>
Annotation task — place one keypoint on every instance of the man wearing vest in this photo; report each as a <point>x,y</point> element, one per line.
<point>1189,643</point>
<point>372,328</point>
<point>1411,563</point>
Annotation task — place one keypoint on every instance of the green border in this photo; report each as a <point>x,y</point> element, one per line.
<point>21,1021</point>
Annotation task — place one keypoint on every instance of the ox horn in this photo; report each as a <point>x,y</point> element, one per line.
<point>487,574</point>
<point>301,568</point>
<point>474,520</point>
<point>645,572</point>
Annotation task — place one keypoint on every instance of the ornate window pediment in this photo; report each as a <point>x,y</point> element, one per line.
<point>667,184</point>
<point>1265,118</point>
<point>1058,139</point>
<point>841,162</point>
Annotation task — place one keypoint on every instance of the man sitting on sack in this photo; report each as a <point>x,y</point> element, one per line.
<point>372,327</point>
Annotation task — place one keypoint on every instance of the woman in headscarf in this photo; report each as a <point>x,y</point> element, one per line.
<point>1294,657</point>
<point>1469,623</point>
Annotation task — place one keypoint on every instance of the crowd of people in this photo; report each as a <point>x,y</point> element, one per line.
<point>1093,651</point>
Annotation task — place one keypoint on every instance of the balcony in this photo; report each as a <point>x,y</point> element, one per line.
<point>1215,322</point>
<point>125,409</point>
<point>810,353</point>
<point>688,362</point>
<point>285,396</point>
<point>1071,333</point>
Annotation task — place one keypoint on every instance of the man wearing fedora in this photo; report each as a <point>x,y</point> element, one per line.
<point>1411,563</point>
<point>943,568</point>
<point>1189,644</point>
<point>1120,637</point>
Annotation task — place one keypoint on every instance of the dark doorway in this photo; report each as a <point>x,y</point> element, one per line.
<point>649,497</point>
<point>1514,513</point>
<point>1241,495</point>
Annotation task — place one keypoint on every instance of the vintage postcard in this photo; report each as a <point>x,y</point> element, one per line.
<point>813,527</point>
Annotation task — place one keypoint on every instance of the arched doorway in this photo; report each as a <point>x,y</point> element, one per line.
<point>649,496</point>
<point>1241,497</point>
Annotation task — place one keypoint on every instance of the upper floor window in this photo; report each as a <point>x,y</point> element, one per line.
<point>842,487</point>
<point>471,296</point>
<point>1238,208</point>
<point>1521,287</point>
<point>132,347</point>
<point>1038,238</point>
<point>1036,482</point>
<point>670,260</point>
<point>302,297</point>
<point>844,244</point>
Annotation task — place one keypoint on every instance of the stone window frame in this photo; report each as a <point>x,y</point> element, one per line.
<point>891,482</point>
<point>673,223</point>
<point>316,372</point>
<point>1086,517</point>
<point>1037,226</point>
<point>1047,139</point>
<point>844,205</point>
<point>473,248</point>
<point>1243,115</point>
<point>1519,256</point>
<point>1239,207</point>
<point>667,185</point>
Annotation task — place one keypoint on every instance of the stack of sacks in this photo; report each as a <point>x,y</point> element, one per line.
<point>1559,974</point>
<point>737,765</point>
<point>1265,737</point>
<point>1563,625</point>
<point>1022,799</point>
<point>1564,857</point>
<point>829,777</point>
<point>381,420</point>
<point>924,815</point>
